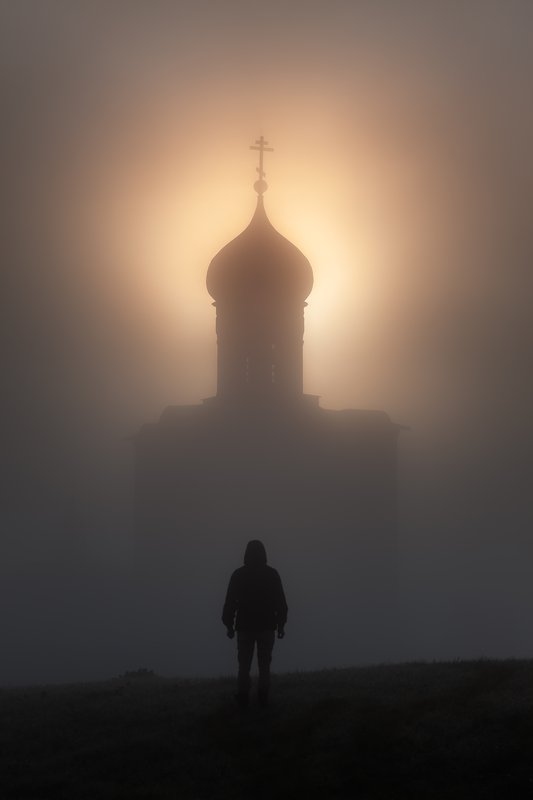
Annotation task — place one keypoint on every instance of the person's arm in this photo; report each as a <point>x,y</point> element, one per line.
<point>281,608</point>
<point>230,607</point>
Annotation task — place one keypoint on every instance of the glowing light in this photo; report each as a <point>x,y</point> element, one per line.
<point>156,215</point>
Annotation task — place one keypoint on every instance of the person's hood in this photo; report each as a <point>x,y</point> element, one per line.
<point>255,554</point>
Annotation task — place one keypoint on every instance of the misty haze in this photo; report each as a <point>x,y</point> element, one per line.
<point>389,477</point>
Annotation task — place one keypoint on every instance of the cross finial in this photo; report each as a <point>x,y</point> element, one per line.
<point>260,144</point>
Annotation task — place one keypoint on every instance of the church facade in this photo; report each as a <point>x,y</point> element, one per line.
<point>263,460</point>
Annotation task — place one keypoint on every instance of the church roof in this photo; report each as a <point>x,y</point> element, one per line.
<point>260,261</point>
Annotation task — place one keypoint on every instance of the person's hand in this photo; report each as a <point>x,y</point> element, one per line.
<point>230,633</point>
<point>281,633</point>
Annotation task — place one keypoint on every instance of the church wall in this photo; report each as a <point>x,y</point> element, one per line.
<point>318,487</point>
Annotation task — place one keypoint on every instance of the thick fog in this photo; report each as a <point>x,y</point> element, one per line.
<point>402,169</point>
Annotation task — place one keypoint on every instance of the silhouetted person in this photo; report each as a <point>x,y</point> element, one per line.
<point>256,606</point>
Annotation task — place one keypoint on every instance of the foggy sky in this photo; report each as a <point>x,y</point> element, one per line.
<point>403,170</point>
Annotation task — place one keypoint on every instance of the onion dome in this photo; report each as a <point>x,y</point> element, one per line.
<point>260,262</point>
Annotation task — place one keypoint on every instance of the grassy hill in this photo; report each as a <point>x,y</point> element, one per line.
<point>442,730</point>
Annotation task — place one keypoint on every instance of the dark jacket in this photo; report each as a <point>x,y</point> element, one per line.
<point>255,594</point>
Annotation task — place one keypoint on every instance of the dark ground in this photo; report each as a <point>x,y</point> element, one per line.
<point>442,730</point>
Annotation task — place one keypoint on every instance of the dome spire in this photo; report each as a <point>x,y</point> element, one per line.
<point>261,185</point>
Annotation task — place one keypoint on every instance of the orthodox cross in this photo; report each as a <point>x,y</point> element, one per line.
<point>260,144</point>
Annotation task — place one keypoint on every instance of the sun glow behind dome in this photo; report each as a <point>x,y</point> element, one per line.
<point>195,226</point>
<point>164,223</point>
<point>157,205</point>
<point>185,235</point>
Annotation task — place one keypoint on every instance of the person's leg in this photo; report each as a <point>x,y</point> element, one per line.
<point>265,644</point>
<point>245,652</point>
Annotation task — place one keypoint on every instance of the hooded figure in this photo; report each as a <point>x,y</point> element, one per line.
<point>255,607</point>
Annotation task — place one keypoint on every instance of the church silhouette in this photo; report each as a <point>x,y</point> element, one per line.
<point>263,460</point>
